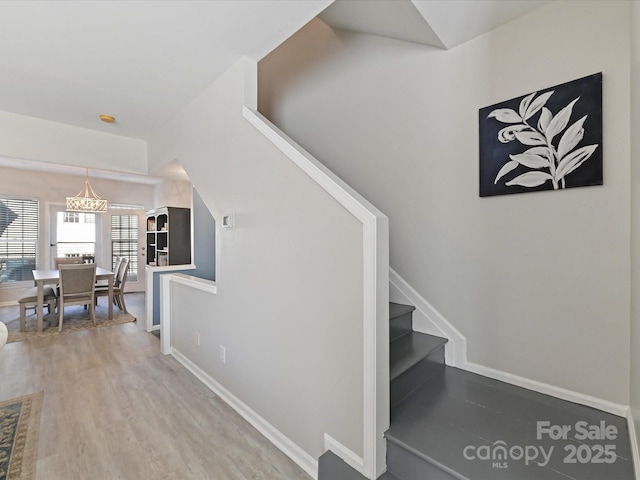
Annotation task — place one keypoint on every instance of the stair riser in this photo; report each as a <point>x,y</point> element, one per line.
<point>408,466</point>
<point>400,326</point>
<point>416,376</point>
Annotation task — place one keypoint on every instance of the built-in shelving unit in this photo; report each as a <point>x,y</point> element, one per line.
<point>168,236</point>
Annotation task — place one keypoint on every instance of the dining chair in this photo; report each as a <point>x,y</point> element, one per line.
<point>66,261</point>
<point>29,299</point>
<point>116,270</point>
<point>77,283</point>
<point>119,281</point>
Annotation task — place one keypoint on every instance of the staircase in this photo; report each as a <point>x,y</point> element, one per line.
<point>413,357</point>
<point>450,424</point>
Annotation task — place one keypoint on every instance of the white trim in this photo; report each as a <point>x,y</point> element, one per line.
<point>165,313</point>
<point>148,300</point>
<point>547,389</point>
<point>194,282</point>
<point>171,268</point>
<point>429,320</point>
<point>375,290</point>
<point>633,438</point>
<point>351,458</point>
<point>289,448</point>
<point>343,193</point>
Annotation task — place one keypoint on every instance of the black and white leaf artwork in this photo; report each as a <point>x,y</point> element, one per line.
<point>548,140</point>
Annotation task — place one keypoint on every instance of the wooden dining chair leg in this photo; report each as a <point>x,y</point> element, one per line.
<point>92,313</point>
<point>123,307</point>
<point>60,314</point>
<point>51,306</point>
<point>23,316</point>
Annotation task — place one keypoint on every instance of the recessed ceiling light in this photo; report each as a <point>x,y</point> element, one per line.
<point>107,118</point>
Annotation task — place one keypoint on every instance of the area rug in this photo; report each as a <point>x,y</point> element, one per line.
<point>19,429</point>
<point>75,318</point>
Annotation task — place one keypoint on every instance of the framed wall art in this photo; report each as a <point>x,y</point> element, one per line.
<point>547,140</point>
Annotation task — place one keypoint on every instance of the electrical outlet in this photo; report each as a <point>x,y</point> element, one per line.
<point>223,354</point>
<point>197,339</point>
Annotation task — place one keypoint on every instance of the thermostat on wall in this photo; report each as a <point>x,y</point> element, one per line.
<point>227,221</point>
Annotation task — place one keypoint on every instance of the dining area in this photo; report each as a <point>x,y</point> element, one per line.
<point>73,281</point>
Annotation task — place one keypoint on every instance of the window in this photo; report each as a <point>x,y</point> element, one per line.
<point>18,238</point>
<point>70,217</point>
<point>124,242</point>
<point>76,234</point>
<point>75,217</point>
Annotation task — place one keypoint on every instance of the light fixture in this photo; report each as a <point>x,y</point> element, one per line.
<point>107,118</point>
<point>87,200</point>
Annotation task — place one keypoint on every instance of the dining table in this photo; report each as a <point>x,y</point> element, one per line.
<point>52,277</point>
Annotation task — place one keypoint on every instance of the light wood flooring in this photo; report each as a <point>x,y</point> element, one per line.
<point>116,408</point>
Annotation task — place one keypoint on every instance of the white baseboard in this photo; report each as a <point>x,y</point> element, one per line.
<point>547,389</point>
<point>426,319</point>
<point>289,448</point>
<point>351,458</point>
<point>633,438</point>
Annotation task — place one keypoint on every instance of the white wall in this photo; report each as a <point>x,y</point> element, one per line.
<point>289,275</point>
<point>539,283</point>
<point>173,193</point>
<point>53,188</point>
<point>31,138</point>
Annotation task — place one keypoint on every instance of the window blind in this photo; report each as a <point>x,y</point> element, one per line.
<point>19,220</point>
<point>124,242</point>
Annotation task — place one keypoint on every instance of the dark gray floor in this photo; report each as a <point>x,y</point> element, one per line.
<point>457,412</point>
<point>332,467</point>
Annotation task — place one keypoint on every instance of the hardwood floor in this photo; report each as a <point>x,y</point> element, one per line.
<point>116,408</point>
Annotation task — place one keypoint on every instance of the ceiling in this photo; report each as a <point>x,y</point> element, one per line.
<point>140,61</point>
<point>143,60</point>
<point>438,23</point>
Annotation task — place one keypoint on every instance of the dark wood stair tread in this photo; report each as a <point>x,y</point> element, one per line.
<point>398,309</point>
<point>410,349</point>
<point>400,320</point>
<point>456,408</point>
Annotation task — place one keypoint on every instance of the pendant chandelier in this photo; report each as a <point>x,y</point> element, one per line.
<point>87,200</point>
